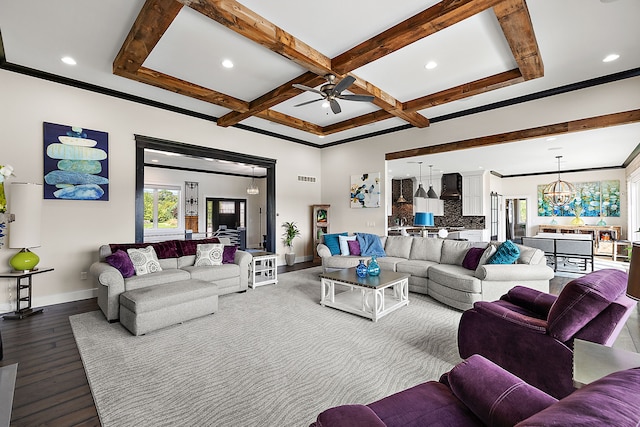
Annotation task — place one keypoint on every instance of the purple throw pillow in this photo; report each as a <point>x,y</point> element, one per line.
<point>167,249</point>
<point>354,247</point>
<point>189,247</point>
<point>229,254</point>
<point>120,260</point>
<point>472,258</point>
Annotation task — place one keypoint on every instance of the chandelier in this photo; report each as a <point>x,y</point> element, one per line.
<point>559,192</point>
<point>401,199</point>
<point>252,189</point>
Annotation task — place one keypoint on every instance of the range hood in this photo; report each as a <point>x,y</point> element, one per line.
<point>451,186</point>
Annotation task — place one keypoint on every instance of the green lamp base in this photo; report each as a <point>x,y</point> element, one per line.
<point>25,260</point>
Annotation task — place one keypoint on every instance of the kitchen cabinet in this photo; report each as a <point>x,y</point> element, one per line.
<point>473,194</point>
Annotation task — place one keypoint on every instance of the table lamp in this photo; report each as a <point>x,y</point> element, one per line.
<point>633,283</point>
<point>423,219</point>
<point>25,204</point>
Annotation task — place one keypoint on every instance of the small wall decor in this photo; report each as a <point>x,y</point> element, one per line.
<point>191,206</point>
<point>76,163</point>
<point>592,199</point>
<point>365,190</point>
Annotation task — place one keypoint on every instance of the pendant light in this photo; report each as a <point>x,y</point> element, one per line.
<point>401,199</point>
<point>253,189</point>
<point>559,192</point>
<point>431,194</point>
<point>420,192</point>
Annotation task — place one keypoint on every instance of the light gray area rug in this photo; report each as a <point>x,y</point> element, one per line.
<point>272,356</point>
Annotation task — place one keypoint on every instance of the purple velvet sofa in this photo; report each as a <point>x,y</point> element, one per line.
<point>477,392</point>
<point>530,333</point>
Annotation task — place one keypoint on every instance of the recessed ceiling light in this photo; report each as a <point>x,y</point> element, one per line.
<point>607,1</point>
<point>326,104</point>
<point>551,138</point>
<point>68,60</point>
<point>611,57</point>
<point>554,148</point>
<point>208,159</point>
<point>154,160</point>
<point>226,63</point>
<point>431,65</point>
<point>320,136</point>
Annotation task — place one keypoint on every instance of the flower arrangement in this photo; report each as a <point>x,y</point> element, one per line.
<point>5,172</point>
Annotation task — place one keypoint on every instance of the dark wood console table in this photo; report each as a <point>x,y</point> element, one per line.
<point>22,312</point>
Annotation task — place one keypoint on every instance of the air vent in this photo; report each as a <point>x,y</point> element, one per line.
<point>311,179</point>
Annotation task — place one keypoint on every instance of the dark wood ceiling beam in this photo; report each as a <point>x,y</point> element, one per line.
<point>249,24</point>
<point>293,122</point>
<point>598,122</point>
<point>269,99</point>
<point>431,20</point>
<point>363,120</point>
<point>150,25</point>
<point>514,18</point>
<point>182,87</point>
<point>466,90</point>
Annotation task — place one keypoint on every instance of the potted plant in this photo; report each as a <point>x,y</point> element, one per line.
<point>291,231</point>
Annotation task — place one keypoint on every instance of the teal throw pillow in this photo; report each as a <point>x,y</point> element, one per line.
<point>507,253</point>
<point>333,243</point>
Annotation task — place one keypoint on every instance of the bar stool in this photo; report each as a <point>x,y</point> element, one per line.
<point>625,244</point>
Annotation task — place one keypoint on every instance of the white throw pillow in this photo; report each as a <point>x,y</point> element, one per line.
<point>209,254</point>
<point>144,260</point>
<point>344,246</point>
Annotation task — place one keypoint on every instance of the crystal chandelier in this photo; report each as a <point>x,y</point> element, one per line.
<point>252,189</point>
<point>559,192</point>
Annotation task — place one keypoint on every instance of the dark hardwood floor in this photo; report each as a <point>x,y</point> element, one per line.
<point>51,385</point>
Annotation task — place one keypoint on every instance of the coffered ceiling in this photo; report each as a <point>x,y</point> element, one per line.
<point>171,52</point>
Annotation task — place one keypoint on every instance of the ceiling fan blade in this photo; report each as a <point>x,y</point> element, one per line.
<point>365,98</point>
<point>342,85</point>
<point>308,102</point>
<point>335,107</point>
<point>310,89</point>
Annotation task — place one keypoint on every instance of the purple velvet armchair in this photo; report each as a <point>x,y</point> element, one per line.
<point>530,333</point>
<point>477,392</point>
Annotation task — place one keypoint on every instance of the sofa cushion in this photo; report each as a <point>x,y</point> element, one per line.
<point>120,260</point>
<point>151,279</point>
<point>497,398</point>
<point>370,244</point>
<point>354,247</point>
<point>455,276</point>
<point>453,251</point>
<point>426,248</point>
<point>212,274</point>
<point>167,249</point>
<point>472,258</point>
<point>343,241</point>
<point>209,254</point>
<point>144,260</point>
<point>529,255</point>
<point>488,253</point>
<point>331,241</point>
<point>609,401</point>
<point>189,247</point>
<point>415,267</point>
<point>507,253</point>
<point>398,246</point>
<point>583,299</point>
<point>389,262</point>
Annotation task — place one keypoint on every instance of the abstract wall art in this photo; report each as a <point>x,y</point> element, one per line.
<point>365,190</point>
<point>76,163</point>
<point>593,199</point>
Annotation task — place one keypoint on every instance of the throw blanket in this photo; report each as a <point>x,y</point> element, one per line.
<point>370,245</point>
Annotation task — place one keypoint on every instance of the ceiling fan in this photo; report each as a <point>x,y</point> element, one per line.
<point>332,91</point>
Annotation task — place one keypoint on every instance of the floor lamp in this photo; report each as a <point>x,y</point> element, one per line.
<point>25,205</point>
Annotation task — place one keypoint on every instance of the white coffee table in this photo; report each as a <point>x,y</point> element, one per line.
<point>372,297</point>
<point>264,269</point>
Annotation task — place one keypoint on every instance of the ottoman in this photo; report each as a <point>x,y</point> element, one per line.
<point>147,309</point>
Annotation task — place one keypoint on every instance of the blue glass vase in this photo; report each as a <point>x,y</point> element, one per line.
<point>361,269</point>
<point>374,268</point>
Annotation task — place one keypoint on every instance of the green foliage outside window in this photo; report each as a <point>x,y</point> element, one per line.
<point>161,205</point>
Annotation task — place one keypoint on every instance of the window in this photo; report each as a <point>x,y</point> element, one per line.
<point>161,208</point>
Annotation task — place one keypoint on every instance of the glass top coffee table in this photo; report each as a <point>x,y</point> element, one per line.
<point>372,296</point>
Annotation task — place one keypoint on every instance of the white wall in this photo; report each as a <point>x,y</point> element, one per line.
<point>527,187</point>
<point>73,230</point>
<point>339,162</point>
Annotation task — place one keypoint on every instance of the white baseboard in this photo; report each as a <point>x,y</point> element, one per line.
<point>62,298</point>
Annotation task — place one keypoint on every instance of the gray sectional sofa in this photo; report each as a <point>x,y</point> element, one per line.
<point>435,266</point>
<point>111,284</point>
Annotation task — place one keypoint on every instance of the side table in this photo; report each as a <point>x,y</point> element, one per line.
<point>593,361</point>
<point>22,312</point>
<point>264,269</point>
